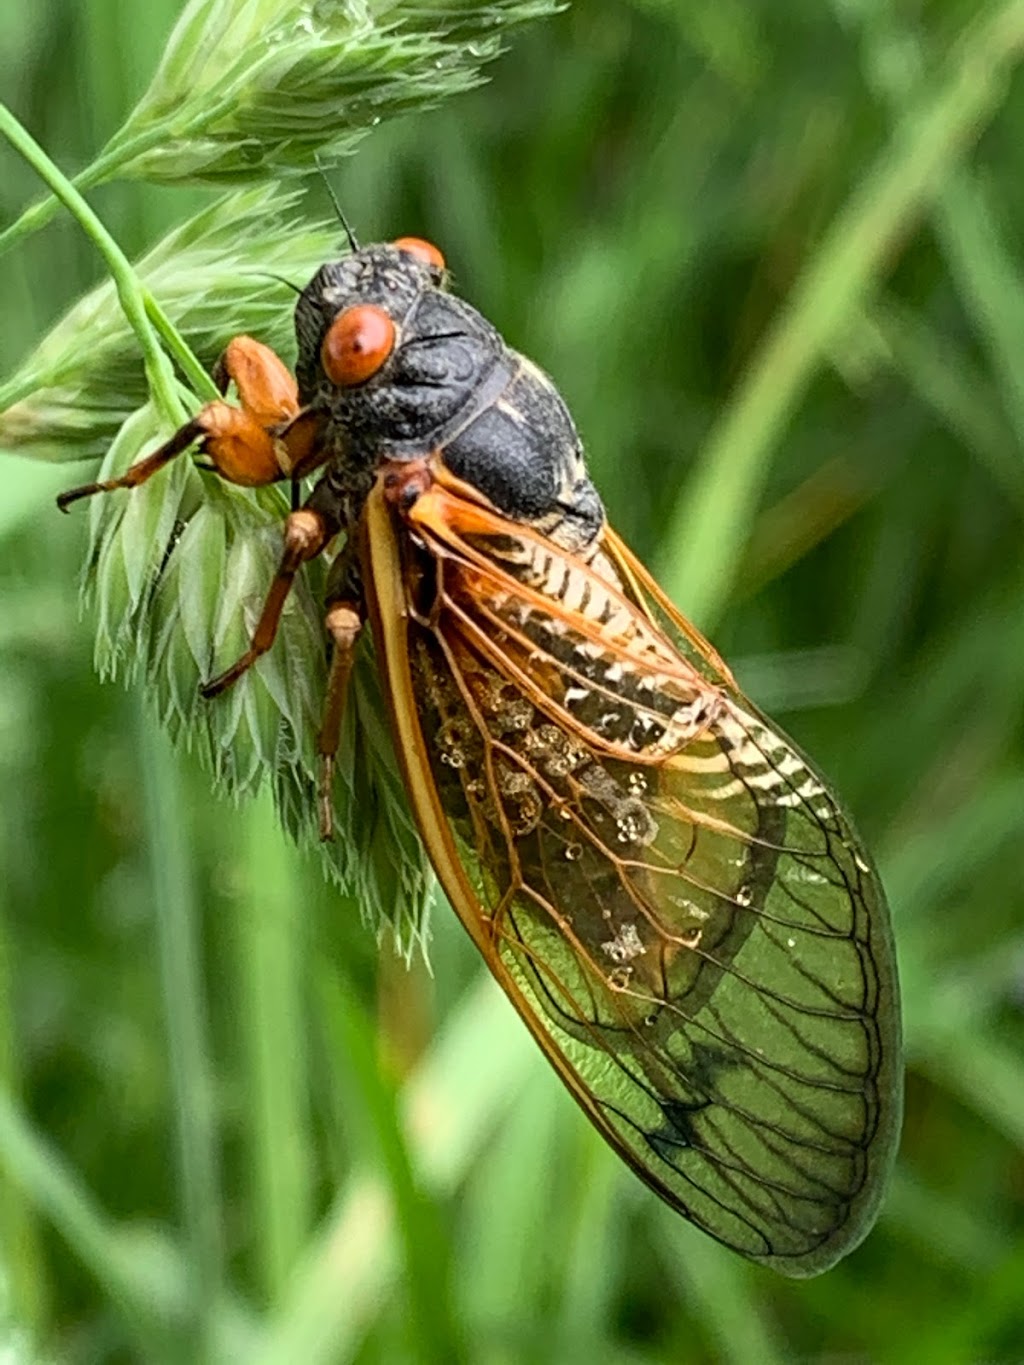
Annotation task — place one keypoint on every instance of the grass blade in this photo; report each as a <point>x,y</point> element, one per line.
<point>712,518</point>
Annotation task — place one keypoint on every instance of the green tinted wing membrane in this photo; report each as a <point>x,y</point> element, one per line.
<point>671,893</point>
<point>731,1004</point>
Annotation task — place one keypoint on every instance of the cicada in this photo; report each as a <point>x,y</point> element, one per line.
<point>661,882</point>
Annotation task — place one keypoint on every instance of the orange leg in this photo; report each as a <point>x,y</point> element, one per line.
<point>266,388</point>
<point>141,471</point>
<point>344,624</point>
<point>266,439</point>
<point>306,532</point>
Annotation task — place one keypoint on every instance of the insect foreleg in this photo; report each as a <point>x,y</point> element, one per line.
<point>274,435</point>
<point>266,388</point>
<point>140,471</point>
<point>266,439</point>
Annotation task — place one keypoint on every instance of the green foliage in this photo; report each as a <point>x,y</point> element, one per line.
<point>214,276</point>
<point>263,87</point>
<point>767,252</point>
<point>249,88</point>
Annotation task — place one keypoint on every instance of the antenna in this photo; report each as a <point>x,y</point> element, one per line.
<point>280,279</point>
<point>337,207</point>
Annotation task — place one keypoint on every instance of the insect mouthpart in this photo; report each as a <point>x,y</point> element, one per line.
<point>405,484</point>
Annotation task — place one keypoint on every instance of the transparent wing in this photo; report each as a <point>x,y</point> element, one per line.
<point>665,887</point>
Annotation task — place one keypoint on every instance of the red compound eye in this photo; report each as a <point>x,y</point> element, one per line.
<point>357,343</point>
<point>423,251</point>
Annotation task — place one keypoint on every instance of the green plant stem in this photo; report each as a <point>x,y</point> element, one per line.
<point>104,168</point>
<point>56,1191</point>
<point>269,940</point>
<point>713,517</point>
<point>33,1167</point>
<point>179,949</point>
<point>150,1290</point>
<point>421,1236</point>
<point>966,223</point>
<point>122,149</point>
<point>198,379</point>
<point>159,373</point>
<point>449,1106</point>
<point>25,1267</point>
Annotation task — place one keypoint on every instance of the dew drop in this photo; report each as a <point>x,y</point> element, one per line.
<point>525,813</point>
<point>634,823</point>
<point>450,741</point>
<point>573,852</point>
<point>743,895</point>
<point>625,946</point>
<point>514,716</point>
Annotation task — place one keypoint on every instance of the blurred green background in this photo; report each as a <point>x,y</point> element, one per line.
<point>703,219</point>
